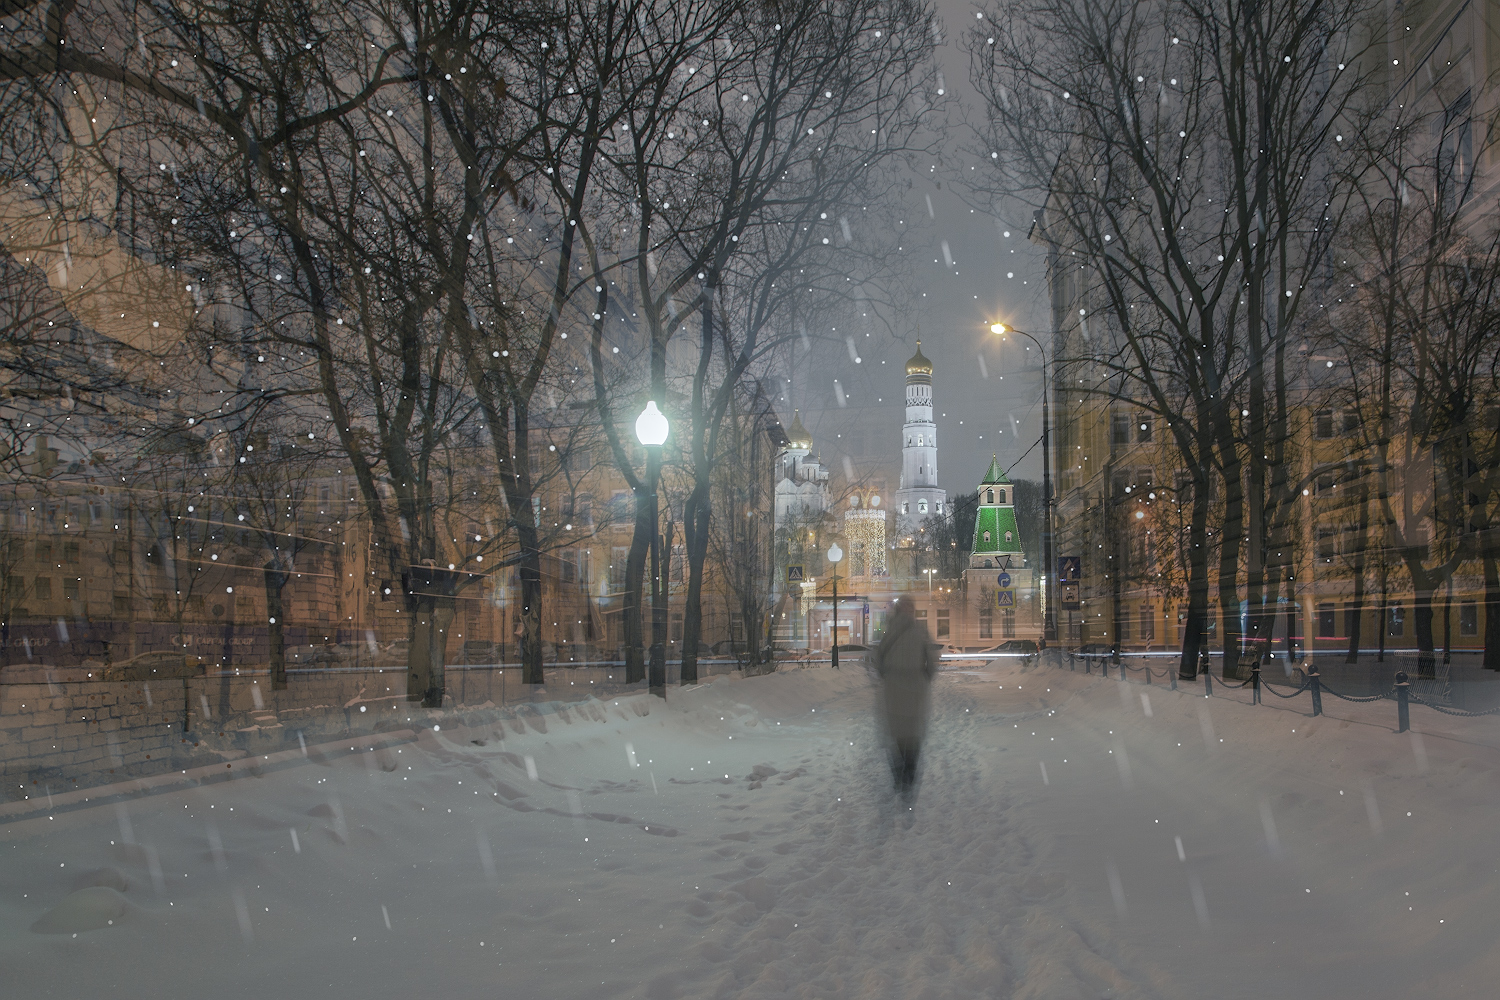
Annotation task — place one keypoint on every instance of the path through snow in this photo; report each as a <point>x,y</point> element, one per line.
<point>1073,837</point>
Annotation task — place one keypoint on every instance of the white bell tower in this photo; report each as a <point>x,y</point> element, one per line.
<point>919,496</point>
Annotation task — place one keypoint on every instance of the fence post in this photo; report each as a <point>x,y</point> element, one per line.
<point>1148,673</point>
<point>1173,675</point>
<point>1317,691</point>
<point>1088,666</point>
<point>1403,713</point>
<point>1255,682</point>
<point>1208,681</point>
<point>1104,667</point>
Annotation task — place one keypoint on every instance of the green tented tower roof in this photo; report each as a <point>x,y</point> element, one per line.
<point>996,521</point>
<point>995,475</point>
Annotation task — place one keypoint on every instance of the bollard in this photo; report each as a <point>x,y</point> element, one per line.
<point>1104,667</point>
<point>1208,683</point>
<point>1403,713</point>
<point>1148,674</point>
<point>1317,692</point>
<point>1255,683</point>
<point>1173,675</point>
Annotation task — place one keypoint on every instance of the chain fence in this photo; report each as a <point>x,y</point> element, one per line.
<point>1400,692</point>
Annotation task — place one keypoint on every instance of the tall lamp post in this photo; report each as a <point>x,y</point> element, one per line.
<point>651,428</point>
<point>1049,591</point>
<point>834,555</point>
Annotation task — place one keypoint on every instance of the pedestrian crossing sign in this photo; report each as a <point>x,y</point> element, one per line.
<point>794,574</point>
<point>1005,598</point>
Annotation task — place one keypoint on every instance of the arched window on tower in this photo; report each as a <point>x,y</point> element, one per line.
<point>986,537</point>
<point>921,506</point>
<point>1007,538</point>
<point>1002,496</point>
<point>989,497</point>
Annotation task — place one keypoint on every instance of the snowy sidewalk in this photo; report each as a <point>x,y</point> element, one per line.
<point>1070,839</point>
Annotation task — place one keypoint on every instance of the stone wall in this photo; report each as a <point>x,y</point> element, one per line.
<point>65,730</point>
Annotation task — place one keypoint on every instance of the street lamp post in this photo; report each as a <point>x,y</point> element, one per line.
<point>1049,591</point>
<point>651,428</point>
<point>834,555</point>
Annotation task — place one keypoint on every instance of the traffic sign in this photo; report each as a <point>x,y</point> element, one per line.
<point>1005,598</point>
<point>1070,597</point>
<point>1003,580</point>
<point>794,574</point>
<point>1069,568</point>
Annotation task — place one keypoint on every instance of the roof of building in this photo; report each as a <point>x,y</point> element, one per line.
<point>995,475</point>
<point>997,521</point>
<point>918,362</point>
<point>796,434</point>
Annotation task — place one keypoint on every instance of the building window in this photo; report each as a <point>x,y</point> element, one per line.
<point>986,623</point>
<point>905,508</point>
<point>70,588</point>
<point>1468,618</point>
<point>619,507</point>
<point>1008,538</point>
<point>1143,429</point>
<point>568,564</point>
<point>1002,496</point>
<point>1124,635</point>
<point>989,496</point>
<point>922,615</point>
<point>676,627</point>
<point>1323,424</point>
<point>942,622</point>
<point>986,537</point>
<point>42,588</point>
<point>921,506</point>
<point>1326,628</point>
<point>1008,623</point>
<point>618,555</point>
<point>940,506</point>
<point>1395,620</point>
<point>1119,429</point>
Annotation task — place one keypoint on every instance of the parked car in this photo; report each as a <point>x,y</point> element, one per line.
<point>1026,647</point>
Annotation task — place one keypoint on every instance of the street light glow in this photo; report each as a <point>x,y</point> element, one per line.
<point>651,425</point>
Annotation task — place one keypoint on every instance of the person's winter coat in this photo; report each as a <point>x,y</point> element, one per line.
<point>906,662</point>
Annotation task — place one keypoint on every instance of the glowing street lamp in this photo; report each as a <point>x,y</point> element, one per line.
<point>651,429</point>
<point>834,555</point>
<point>1049,615</point>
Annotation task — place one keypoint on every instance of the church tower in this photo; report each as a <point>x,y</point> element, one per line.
<point>919,496</point>
<point>997,538</point>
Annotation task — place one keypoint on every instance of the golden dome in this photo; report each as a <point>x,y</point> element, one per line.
<point>797,435</point>
<point>919,363</point>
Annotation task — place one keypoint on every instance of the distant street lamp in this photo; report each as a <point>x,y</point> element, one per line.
<point>651,429</point>
<point>834,555</point>
<point>929,573</point>
<point>1049,592</point>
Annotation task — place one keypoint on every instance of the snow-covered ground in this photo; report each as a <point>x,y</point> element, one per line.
<point>1069,840</point>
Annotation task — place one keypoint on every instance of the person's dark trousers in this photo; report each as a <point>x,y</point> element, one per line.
<point>905,764</point>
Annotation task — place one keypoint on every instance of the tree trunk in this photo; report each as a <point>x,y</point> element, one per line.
<point>1422,619</point>
<point>1491,612</point>
<point>1197,585</point>
<point>529,571</point>
<point>1231,538</point>
<point>1355,614</point>
<point>695,540</point>
<point>274,582</point>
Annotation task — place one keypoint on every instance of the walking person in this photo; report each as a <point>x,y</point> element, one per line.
<point>906,662</point>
